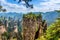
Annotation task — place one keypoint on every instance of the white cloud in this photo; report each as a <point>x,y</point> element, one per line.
<point>12,7</point>
<point>55,1</point>
<point>17,8</point>
<point>50,5</point>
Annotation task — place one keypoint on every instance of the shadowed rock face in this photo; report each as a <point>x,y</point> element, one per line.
<point>42,27</point>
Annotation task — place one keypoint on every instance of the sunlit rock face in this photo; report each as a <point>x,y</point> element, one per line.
<point>33,26</point>
<point>15,29</point>
<point>2,29</point>
<point>29,28</point>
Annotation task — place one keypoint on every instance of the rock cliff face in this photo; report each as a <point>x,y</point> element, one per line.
<point>29,28</point>
<point>33,26</point>
<point>40,27</point>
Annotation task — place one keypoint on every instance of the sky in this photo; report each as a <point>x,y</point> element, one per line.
<point>39,6</point>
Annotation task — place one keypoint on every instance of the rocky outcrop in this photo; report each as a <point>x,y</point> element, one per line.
<point>31,23</point>
<point>42,27</point>
<point>29,28</point>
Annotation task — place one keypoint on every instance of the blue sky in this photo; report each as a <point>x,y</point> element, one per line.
<point>39,6</point>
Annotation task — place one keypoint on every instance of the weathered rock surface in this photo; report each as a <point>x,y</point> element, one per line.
<point>31,23</point>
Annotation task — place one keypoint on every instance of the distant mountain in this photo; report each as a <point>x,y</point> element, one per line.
<point>48,16</point>
<point>12,14</point>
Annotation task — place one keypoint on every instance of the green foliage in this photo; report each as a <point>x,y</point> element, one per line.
<point>41,38</point>
<point>2,10</point>
<point>0,23</point>
<point>36,27</point>
<point>53,31</point>
<point>32,16</point>
<point>58,11</point>
<point>0,7</point>
<point>6,34</point>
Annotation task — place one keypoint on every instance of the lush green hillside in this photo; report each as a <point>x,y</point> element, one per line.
<point>52,32</point>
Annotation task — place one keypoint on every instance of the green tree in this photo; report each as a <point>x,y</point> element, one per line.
<point>2,10</point>
<point>5,36</point>
<point>26,3</point>
<point>53,31</point>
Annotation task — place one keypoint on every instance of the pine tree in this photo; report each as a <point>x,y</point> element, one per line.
<point>2,10</point>
<point>26,3</point>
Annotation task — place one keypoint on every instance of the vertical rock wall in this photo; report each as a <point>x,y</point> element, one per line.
<point>29,28</point>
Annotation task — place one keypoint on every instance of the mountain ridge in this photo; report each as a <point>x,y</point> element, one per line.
<point>48,16</point>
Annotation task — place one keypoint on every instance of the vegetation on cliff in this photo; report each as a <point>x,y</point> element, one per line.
<point>33,26</point>
<point>52,32</point>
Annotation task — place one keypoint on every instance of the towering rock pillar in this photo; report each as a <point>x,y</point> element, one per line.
<point>33,26</point>
<point>29,27</point>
